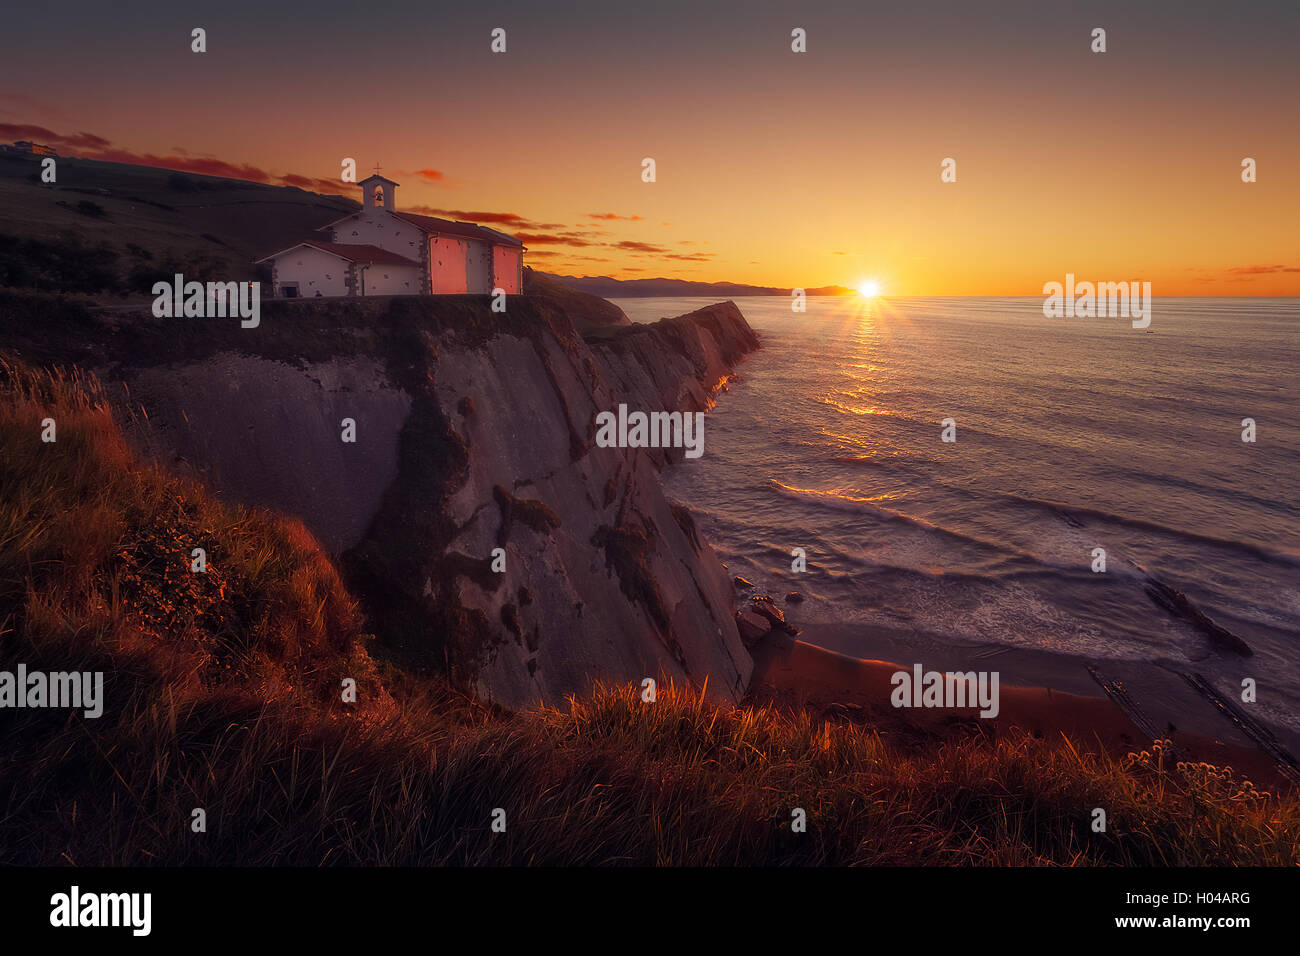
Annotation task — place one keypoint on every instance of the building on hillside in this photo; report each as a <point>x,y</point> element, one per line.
<point>380,251</point>
<point>315,268</point>
<point>26,146</point>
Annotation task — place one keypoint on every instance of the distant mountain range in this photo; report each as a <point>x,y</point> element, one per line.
<point>608,288</point>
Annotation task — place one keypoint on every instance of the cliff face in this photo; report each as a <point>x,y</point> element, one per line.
<point>474,431</point>
<point>603,577</point>
<point>676,363</point>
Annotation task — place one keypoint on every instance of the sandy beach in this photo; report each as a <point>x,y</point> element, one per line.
<point>797,673</point>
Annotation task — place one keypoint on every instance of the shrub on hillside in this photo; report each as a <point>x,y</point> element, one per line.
<point>66,264</point>
<point>92,209</point>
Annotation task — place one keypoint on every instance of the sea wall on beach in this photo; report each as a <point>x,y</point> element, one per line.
<point>474,514</point>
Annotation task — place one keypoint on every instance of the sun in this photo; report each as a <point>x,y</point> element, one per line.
<point>869,288</point>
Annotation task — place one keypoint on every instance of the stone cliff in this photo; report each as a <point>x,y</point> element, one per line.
<point>474,431</point>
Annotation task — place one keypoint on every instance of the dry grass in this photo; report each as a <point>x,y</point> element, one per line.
<point>222,692</point>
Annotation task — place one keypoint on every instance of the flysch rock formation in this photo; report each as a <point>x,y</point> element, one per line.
<point>474,432</point>
<point>604,577</point>
<point>677,363</point>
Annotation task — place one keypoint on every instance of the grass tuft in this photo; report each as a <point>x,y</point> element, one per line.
<point>222,692</point>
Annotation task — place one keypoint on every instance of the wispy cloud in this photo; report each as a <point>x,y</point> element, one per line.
<point>428,175</point>
<point>1261,270</point>
<point>554,239</point>
<point>90,146</point>
<point>631,245</point>
<point>39,134</point>
<point>510,219</point>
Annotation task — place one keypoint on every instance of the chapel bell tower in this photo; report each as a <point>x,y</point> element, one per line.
<point>378,193</point>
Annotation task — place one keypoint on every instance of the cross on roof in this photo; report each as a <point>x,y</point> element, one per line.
<point>377,168</point>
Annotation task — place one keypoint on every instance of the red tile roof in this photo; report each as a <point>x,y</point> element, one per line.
<point>353,252</point>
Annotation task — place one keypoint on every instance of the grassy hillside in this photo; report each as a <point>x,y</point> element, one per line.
<point>223,693</point>
<point>133,221</point>
<point>589,313</point>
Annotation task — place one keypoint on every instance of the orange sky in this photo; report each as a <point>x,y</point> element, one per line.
<point>774,168</point>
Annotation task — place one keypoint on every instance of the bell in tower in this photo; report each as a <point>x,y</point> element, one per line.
<point>378,193</point>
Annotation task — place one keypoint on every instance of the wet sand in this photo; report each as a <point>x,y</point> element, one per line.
<point>803,674</point>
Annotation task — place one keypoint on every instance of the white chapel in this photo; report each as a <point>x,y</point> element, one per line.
<point>380,251</point>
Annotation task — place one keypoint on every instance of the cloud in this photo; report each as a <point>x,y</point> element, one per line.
<point>612,216</point>
<point>511,219</point>
<point>1261,270</point>
<point>553,239</point>
<point>90,146</point>
<point>632,246</point>
<point>39,134</point>
<point>557,234</point>
<point>567,257</point>
<point>428,175</point>
<point>327,186</point>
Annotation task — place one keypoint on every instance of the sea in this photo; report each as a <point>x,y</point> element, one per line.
<point>1077,441</point>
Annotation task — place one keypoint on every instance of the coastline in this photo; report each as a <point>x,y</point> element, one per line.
<point>1173,679</point>
<point>797,674</point>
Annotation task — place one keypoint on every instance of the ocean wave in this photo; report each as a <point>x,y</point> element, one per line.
<point>1063,447</point>
<point>841,501</point>
<point>1076,512</point>
<point>1165,480</point>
